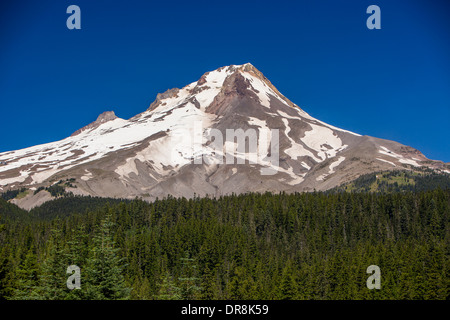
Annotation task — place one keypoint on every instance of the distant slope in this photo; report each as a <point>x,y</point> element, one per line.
<point>67,206</point>
<point>10,211</point>
<point>397,181</point>
<point>56,208</point>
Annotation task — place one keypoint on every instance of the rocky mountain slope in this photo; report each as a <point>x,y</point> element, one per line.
<point>230,131</point>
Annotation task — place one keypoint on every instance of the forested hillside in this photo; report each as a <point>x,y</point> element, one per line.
<point>253,246</point>
<point>422,179</point>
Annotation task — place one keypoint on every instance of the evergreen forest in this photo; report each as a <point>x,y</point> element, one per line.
<point>251,246</point>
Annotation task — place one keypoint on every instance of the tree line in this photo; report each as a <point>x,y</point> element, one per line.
<point>249,246</point>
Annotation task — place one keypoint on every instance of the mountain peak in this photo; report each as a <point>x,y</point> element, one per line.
<point>106,116</point>
<point>232,111</point>
<point>102,118</point>
<point>221,84</point>
<point>170,93</point>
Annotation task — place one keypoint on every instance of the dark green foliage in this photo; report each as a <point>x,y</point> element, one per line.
<point>68,183</point>
<point>253,246</point>
<point>11,194</point>
<point>26,277</point>
<point>38,190</point>
<point>397,181</point>
<point>189,288</point>
<point>104,278</point>
<point>167,289</point>
<point>67,206</point>
<point>52,284</point>
<point>56,190</point>
<point>11,211</point>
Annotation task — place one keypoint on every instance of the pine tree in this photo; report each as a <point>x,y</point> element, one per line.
<point>241,286</point>
<point>434,264</point>
<point>208,284</point>
<point>167,289</point>
<point>288,286</point>
<point>77,251</point>
<point>190,289</point>
<point>141,289</point>
<point>5,272</point>
<point>27,278</point>
<point>104,278</point>
<point>77,254</point>
<point>52,284</point>
<point>4,262</point>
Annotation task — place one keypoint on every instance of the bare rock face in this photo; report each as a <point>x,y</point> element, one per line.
<point>170,93</point>
<point>102,118</point>
<point>155,153</point>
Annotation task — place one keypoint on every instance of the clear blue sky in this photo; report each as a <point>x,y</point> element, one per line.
<point>392,83</point>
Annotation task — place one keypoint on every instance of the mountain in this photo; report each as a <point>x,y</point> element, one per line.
<point>230,131</point>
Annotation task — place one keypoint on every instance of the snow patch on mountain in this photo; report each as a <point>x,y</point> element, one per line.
<point>110,136</point>
<point>331,167</point>
<point>319,137</point>
<point>296,150</point>
<point>305,165</point>
<point>391,163</point>
<point>262,90</point>
<point>87,176</point>
<point>400,158</point>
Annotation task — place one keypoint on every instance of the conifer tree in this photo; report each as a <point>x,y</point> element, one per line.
<point>104,278</point>
<point>52,282</point>
<point>190,289</point>
<point>167,289</point>
<point>27,278</point>
<point>6,272</point>
<point>288,286</point>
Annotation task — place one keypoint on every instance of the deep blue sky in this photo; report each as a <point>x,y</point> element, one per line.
<point>392,83</point>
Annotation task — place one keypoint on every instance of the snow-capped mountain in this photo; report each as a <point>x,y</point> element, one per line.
<point>170,149</point>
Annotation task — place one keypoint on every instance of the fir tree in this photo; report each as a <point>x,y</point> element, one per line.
<point>167,289</point>
<point>190,289</point>
<point>104,278</point>
<point>52,284</point>
<point>288,286</point>
<point>27,278</point>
